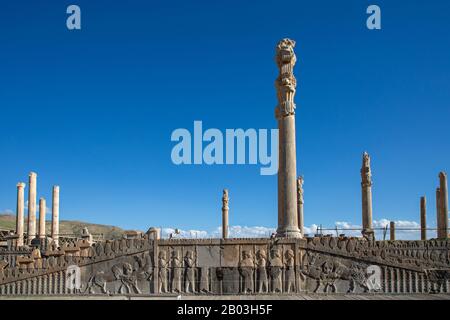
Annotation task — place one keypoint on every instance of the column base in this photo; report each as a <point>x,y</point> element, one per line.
<point>289,233</point>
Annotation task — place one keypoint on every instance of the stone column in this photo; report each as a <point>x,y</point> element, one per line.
<point>42,212</point>
<point>443,207</point>
<point>55,215</point>
<point>366,188</point>
<point>392,230</point>
<point>438,211</point>
<point>32,206</point>
<point>19,213</point>
<point>287,167</point>
<point>300,204</point>
<point>423,218</point>
<point>225,210</point>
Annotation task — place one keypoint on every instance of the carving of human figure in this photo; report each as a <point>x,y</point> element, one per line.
<point>246,267</point>
<point>189,263</point>
<point>162,274</point>
<point>276,271</point>
<point>261,262</point>
<point>204,280</point>
<point>290,271</point>
<point>177,270</point>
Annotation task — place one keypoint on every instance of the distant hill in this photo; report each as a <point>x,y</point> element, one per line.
<point>66,227</point>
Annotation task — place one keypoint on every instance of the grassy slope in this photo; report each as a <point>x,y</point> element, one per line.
<point>8,222</point>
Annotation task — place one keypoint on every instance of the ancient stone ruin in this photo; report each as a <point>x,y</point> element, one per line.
<point>33,262</point>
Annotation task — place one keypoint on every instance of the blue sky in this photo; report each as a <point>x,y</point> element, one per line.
<point>93,110</point>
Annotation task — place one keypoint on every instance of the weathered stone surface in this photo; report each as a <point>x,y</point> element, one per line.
<point>287,165</point>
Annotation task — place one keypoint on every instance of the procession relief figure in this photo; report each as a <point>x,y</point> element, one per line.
<point>204,280</point>
<point>290,271</point>
<point>189,263</point>
<point>177,271</point>
<point>246,268</point>
<point>276,271</point>
<point>261,271</point>
<point>163,272</point>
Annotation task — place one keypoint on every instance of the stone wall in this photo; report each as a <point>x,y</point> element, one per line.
<point>236,266</point>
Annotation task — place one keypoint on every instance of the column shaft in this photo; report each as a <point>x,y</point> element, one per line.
<point>42,212</point>
<point>438,212</point>
<point>443,206</point>
<point>20,213</point>
<point>423,218</point>
<point>287,166</point>
<point>55,215</point>
<point>32,206</point>
<point>300,205</point>
<point>392,230</point>
<point>225,210</point>
<point>366,192</point>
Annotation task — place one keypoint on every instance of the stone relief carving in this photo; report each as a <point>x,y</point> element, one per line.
<point>290,271</point>
<point>128,278</point>
<point>276,271</point>
<point>189,281</point>
<point>96,281</point>
<point>261,263</point>
<point>177,271</point>
<point>437,279</point>
<point>246,269</point>
<point>162,272</point>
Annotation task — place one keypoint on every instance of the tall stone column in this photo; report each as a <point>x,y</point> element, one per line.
<point>31,206</point>
<point>20,212</point>
<point>443,207</point>
<point>423,218</point>
<point>287,168</point>
<point>392,230</point>
<point>366,188</point>
<point>300,204</point>
<point>55,215</point>
<point>438,210</point>
<point>225,210</point>
<point>42,212</point>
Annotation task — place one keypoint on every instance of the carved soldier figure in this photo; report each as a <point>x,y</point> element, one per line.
<point>290,271</point>
<point>204,280</point>
<point>162,274</point>
<point>246,267</point>
<point>261,271</point>
<point>177,270</point>
<point>276,271</point>
<point>189,263</point>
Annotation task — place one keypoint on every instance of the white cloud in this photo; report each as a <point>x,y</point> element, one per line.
<point>405,230</point>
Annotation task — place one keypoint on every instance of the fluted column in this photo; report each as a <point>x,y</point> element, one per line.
<point>225,210</point>
<point>287,167</point>
<point>423,218</point>
<point>20,213</point>
<point>443,207</point>
<point>300,204</point>
<point>55,215</point>
<point>438,210</point>
<point>42,212</point>
<point>366,188</point>
<point>32,206</point>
